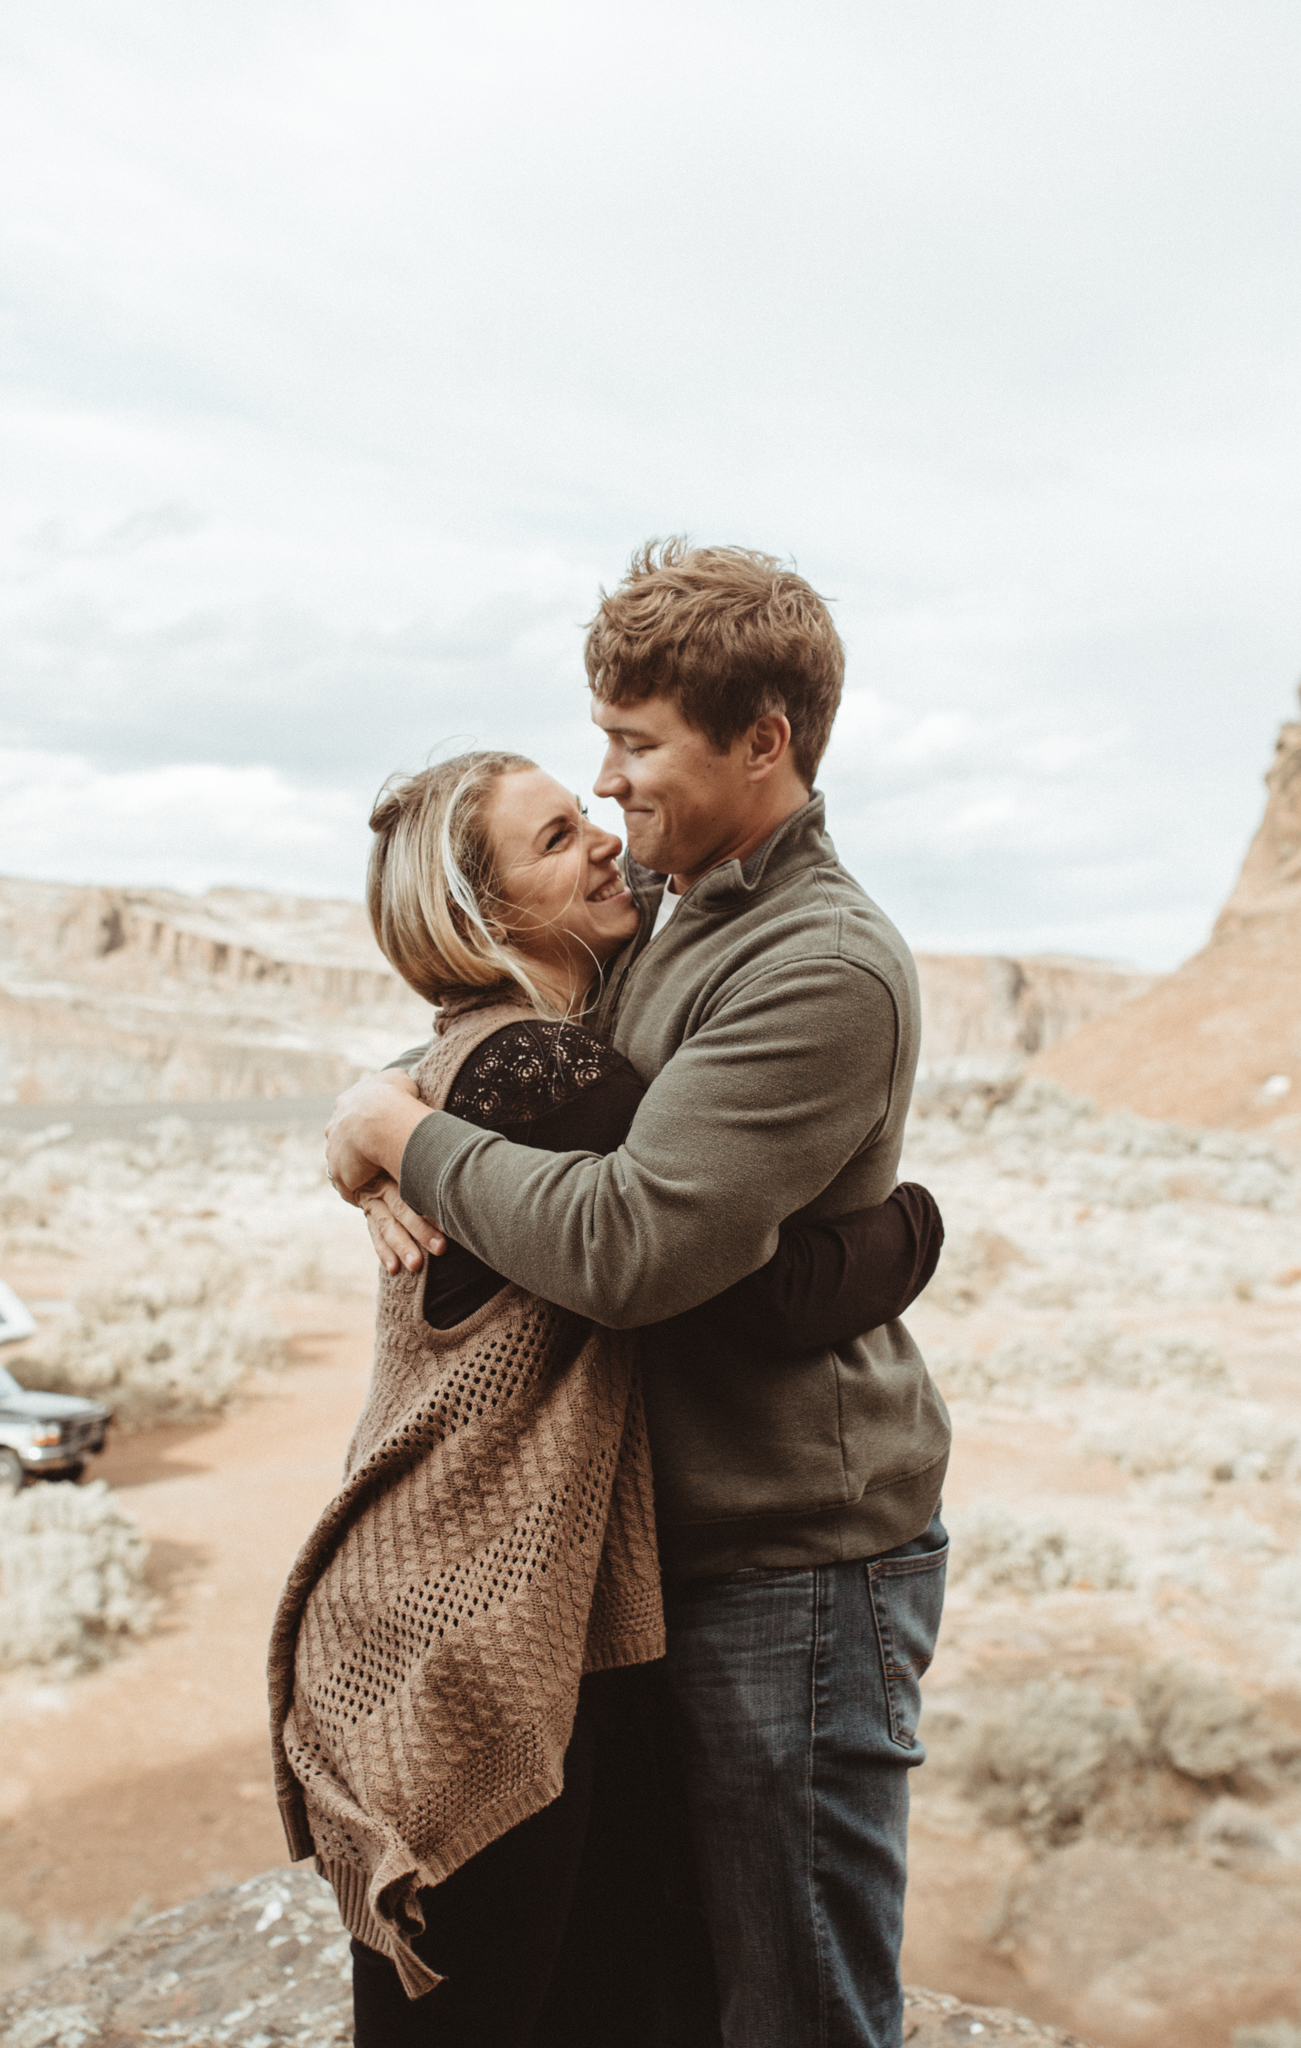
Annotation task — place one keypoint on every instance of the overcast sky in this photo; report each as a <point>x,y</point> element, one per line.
<point>348,349</point>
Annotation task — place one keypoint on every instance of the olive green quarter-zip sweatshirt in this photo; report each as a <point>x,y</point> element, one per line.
<point>774,1019</point>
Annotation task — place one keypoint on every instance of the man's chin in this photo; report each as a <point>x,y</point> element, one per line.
<point>647,847</point>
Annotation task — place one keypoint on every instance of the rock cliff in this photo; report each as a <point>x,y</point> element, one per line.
<point>985,1014</point>
<point>149,995</point>
<point>267,1963</point>
<point>1218,1042</point>
<point>146,995</point>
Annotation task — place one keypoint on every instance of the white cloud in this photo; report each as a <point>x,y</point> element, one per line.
<point>186,826</point>
<point>353,346</point>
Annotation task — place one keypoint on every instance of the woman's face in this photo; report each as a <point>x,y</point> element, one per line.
<point>566,905</point>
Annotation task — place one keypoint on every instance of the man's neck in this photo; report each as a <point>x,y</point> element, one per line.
<point>756,833</point>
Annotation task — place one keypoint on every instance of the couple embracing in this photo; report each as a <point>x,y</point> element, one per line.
<point>595,1690</point>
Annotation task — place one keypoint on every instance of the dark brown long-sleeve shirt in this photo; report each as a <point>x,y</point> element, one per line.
<point>556,1088</point>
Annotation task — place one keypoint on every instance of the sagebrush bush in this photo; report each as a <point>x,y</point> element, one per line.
<point>1083,1353</point>
<point>168,1346</point>
<point>993,1552</point>
<point>1055,1757</point>
<point>973,1264</point>
<point>1281,1586</point>
<point>1047,1755</point>
<point>1196,1723</point>
<point>1227,1440</point>
<point>19,1941</point>
<point>72,1576</point>
<point>1268,2034</point>
<point>1120,1159</point>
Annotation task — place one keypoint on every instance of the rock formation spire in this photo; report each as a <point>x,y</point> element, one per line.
<point>1218,1041</point>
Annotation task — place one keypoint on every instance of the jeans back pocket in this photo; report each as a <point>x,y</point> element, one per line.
<point>907,1595</point>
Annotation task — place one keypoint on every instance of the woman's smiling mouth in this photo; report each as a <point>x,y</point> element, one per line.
<point>608,890</point>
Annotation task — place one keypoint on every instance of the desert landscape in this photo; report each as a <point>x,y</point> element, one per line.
<point>1107,1834</point>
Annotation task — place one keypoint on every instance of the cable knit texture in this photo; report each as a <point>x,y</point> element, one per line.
<point>493,1540</point>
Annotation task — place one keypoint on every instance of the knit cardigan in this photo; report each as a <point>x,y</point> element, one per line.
<point>493,1540</point>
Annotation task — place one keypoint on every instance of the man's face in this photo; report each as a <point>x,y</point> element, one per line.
<point>684,803</point>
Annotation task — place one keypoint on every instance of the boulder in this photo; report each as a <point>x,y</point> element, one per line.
<point>266,1965</point>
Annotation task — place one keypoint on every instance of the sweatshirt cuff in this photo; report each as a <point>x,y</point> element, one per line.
<point>433,1144</point>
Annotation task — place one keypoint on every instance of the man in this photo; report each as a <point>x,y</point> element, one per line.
<point>773,1010</point>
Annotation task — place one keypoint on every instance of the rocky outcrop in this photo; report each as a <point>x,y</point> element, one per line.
<point>985,1014</point>
<point>1218,1042</point>
<point>148,995</point>
<point>149,938</point>
<point>266,1965</point>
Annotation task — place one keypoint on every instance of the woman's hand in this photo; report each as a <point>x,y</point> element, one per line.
<point>367,1135</point>
<point>396,1231</point>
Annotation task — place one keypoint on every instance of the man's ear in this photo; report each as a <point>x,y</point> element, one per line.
<point>770,739</point>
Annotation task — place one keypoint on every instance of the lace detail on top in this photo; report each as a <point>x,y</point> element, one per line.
<point>526,1069</point>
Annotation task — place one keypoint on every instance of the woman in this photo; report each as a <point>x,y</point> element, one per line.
<point>449,1645</point>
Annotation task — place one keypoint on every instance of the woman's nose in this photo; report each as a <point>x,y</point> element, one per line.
<point>603,846</point>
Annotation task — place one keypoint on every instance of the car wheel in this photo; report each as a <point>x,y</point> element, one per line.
<point>11,1472</point>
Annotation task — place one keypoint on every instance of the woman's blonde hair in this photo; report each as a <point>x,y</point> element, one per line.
<point>431,886</point>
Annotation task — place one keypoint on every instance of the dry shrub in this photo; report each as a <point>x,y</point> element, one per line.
<point>158,1346</point>
<point>1198,1725</point>
<point>258,1191</point>
<point>1047,1755</point>
<point>1281,1587</point>
<point>1268,2034</point>
<point>1098,1353</point>
<point>1121,1160</point>
<point>19,1941</point>
<point>72,1576</point>
<point>1226,1441</point>
<point>1084,1353</point>
<point>1233,1834</point>
<point>971,1267</point>
<point>1055,1757</point>
<point>994,1553</point>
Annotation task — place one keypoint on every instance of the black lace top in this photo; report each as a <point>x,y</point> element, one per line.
<point>555,1087</point>
<point>533,1079</point>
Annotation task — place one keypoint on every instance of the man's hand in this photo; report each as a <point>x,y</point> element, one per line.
<point>367,1135</point>
<point>396,1231</point>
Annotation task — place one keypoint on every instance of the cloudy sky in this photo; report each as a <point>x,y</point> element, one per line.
<point>348,349</point>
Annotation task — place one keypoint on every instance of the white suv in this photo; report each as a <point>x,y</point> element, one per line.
<point>46,1435</point>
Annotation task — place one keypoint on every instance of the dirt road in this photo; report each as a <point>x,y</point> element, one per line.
<point>149,1779</point>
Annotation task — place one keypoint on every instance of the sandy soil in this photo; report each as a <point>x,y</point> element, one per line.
<point>149,1778</point>
<point>1117,1325</point>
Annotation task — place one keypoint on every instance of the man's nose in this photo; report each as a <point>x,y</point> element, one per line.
<point>611,781</point>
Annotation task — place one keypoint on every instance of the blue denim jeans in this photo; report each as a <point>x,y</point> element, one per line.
<point>796,1696</point>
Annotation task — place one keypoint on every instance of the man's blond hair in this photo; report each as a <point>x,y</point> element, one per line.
<point>730,635</point>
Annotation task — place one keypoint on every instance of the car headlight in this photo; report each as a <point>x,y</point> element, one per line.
<point>46,1434</point>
